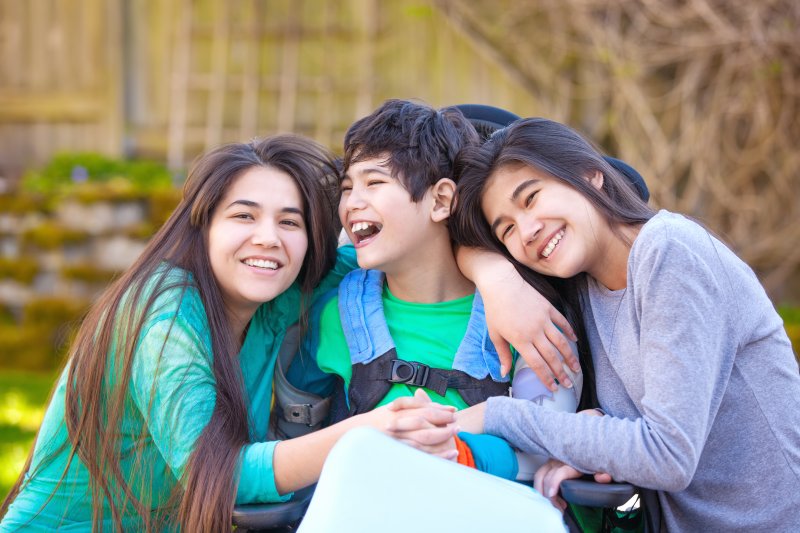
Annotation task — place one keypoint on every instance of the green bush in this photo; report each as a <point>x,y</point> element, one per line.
<point>88,273</point>
<point>162,202</point>
<point>28,347</point>
<point>21,203</point>
<point>23,269</point>
<point>67,171</point>
<point>53,312</point>
<point>50,236</point>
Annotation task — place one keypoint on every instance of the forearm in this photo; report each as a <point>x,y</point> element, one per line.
<point>475,263</point>
<point>471,418</point>
<point>633,450</point>
<point>298,462</point>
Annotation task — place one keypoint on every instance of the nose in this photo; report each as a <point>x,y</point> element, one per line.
<point>265,234</point>
<point>529,228</point>
<point>352,200</point>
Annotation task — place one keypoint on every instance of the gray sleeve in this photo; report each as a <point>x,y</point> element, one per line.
<point>686,336</point>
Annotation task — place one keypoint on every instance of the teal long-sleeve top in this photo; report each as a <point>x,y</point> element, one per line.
<point>170,400</point>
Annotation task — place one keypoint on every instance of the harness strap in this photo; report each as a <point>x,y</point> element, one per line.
<point>371,382</point>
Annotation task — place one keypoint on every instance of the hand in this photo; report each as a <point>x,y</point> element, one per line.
<point>548,478</point>
<point>517,315</point>
<point>424,425</point>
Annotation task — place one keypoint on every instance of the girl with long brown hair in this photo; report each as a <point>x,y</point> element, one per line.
<point>694,370</point>
<point>159,419</point>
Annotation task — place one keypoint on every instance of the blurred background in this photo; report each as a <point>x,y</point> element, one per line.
<point>104,103</point>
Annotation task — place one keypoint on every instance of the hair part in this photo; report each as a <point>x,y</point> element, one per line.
<point>418,143</point>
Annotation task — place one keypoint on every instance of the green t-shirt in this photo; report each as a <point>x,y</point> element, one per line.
<point>426,333</point>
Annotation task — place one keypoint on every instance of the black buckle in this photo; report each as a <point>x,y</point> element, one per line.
<point>411,373</point>
<point>298,413</point>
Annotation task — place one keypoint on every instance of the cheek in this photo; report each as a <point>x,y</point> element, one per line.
<point>298,245</point>
<point>518,252</point>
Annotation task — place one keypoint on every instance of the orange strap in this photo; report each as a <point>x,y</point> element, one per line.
<point>464,453</point>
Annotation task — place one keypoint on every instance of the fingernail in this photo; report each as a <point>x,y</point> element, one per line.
<point>566,382</point>
<point>553,387</point>
<point>503,370</point>
<point>576,367</point>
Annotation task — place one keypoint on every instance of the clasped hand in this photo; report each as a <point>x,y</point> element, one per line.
<point>422,424</point>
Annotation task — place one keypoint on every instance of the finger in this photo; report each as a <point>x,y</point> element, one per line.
<point>422,396</point>
<point>431,437</point>
<point>440,450</point>
<point>602,477</point>
<point>551,358</point>
<point>413,402</point>
<point>559,341</point>
<point>556,476</point>
<point>558,503</point>
<point>408,423</point>
<point>503,353</point>
<point>437,416</point>
<point>450,455</point>
<point>558,319</point>
<point>538,365</point>
<point>538,477</point>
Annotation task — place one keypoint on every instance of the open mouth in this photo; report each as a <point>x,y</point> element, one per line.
<point>363,231</point>
<point>551,245</point>
<point>265,264</point>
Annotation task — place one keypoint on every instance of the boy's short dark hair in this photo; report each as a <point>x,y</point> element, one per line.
<point>420,142</point>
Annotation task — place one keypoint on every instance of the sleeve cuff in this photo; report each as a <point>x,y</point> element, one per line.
<point>256,475</point>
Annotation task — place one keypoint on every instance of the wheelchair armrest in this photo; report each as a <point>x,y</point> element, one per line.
<point>257,516</point>
<point>592,494</point>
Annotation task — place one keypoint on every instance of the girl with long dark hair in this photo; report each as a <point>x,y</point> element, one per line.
<point>159,419</point>
<point>694,371</point>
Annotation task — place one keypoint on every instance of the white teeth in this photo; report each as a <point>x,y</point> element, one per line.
<point>364,229</point>
<point>261,263</point>
<point>552,244</point>
<point>359,226</point>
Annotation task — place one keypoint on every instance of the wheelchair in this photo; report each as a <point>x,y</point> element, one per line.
<point>607,498</point>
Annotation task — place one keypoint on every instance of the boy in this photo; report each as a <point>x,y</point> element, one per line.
<point>410,319</point>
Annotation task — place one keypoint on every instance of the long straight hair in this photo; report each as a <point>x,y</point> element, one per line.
<point>563,154</point>
<point>101,358</point>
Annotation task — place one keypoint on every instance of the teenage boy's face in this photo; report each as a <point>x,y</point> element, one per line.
<point>382,221</point>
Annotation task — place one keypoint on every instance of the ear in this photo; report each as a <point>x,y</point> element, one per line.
<point>442,193</point>
<point>597,180</point>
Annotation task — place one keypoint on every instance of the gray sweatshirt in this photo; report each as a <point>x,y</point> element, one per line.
<point>697,376</point>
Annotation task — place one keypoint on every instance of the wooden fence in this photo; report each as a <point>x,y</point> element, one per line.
<point>702,96</point>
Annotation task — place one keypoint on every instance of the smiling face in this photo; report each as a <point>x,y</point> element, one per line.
<point>545,224</point>
<point>257,239</point>
<point>387,228</point>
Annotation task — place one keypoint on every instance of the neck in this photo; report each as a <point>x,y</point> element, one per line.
<point>239,322</point>
<point>613,270</point>
<point>430,276</point>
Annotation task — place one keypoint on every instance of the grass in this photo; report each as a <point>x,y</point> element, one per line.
<point>22,399</point>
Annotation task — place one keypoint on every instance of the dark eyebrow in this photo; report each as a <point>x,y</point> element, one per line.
<point>514,195</point>
<point>521,187</point>
<point>256,205</point>
<point>376,170</point>
<point>295,210</point>
<point>246,203</point>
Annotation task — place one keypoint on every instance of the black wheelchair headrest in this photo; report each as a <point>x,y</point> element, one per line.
<point>488,119</point>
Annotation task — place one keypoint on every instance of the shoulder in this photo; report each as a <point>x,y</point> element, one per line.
<point>169,295</point>
<point>674,239</point>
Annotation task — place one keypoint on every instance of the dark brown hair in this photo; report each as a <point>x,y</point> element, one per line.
<point>420,143</point>
<point>101,359</point>
<point>562,153</point>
